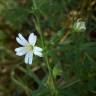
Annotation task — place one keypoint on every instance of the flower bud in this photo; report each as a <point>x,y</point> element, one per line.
<point>79,26</point>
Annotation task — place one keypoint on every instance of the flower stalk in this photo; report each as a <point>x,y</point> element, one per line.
<point>54,91</point>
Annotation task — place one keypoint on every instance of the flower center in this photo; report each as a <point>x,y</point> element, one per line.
<point>29,47</point>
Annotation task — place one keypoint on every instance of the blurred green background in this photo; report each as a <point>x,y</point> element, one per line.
<point>74,69</point>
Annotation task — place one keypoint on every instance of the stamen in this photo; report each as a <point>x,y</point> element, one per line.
<point>29,47</point>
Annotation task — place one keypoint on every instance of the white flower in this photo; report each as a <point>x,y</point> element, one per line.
<point>28,48</point>
<point>79,26</point>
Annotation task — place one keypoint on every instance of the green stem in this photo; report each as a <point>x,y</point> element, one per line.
<point>37,25</point>
<point>46,57</point>
<point>72,83</point>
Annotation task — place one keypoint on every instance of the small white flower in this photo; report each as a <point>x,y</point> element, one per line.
<point>28,48</point>
<point>79,26</point>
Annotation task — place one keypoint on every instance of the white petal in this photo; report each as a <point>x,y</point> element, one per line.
<point>32,39</point>
<point>22,38</point>
<point>28,58</point>
<point>38,49</point>
<point>38,53</point>
<point>20,41</point>
<point>20,51</point>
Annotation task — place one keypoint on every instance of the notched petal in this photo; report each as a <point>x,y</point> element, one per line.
<point>26,58</point>
<point>38,49</point>
<point>20,41</point>
<point>30,58</point>
<point>32,39</point>
<point>19,49</point>
<point>22,38</point>
<point>38,53</point>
